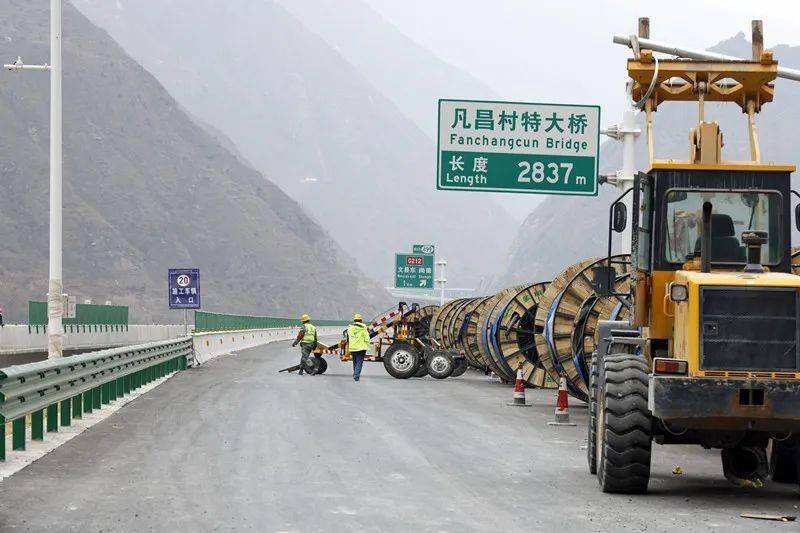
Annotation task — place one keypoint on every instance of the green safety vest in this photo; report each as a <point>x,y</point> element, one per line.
<point>357,337</point>
<point>310,333</point>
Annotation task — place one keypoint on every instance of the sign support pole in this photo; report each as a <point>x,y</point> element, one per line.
<point>442,280</point>
<point>186,322</point>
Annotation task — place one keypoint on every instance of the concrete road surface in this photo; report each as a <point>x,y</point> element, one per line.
<point>235,446</point>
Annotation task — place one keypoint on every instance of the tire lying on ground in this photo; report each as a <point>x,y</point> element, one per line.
<point>402,360</point>
<point>321,365</point>
<point>440,364</point>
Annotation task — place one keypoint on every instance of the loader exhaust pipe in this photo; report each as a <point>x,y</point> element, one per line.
<point>705,239</point>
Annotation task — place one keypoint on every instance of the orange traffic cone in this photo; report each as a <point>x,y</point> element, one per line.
<point>562,405</point>
<point>519,391</point>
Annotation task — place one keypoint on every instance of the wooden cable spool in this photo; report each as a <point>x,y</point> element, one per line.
<point>546,309</point>
<point>437,321</point>
<point>449,330</point>
<point>470,338</point>
<point>796,260</point>
<point>422,324</point>
<point>484,326</point>
<point>512,334</point>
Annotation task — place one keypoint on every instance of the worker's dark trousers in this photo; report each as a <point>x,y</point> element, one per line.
<point>305,350</point>
<point>358,362</point>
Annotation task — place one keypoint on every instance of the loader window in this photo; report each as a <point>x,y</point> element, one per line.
<point>732,213</point>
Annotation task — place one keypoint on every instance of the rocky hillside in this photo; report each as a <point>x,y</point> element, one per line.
<point>145,189</point>
<point>306,117</point>
<point>564,229</point>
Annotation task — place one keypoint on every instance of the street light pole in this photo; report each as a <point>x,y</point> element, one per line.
<point>55,287</point>
<point>55,306</point>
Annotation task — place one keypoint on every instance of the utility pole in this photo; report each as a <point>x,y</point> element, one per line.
<point>55,303</point>
<point>441,263</point>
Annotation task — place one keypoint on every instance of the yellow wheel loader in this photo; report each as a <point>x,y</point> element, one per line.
<point>711,352</point>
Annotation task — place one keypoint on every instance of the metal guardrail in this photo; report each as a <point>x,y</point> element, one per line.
<point>205,321</point>
<point>66,388</point>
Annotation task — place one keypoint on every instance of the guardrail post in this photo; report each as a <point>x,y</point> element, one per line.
<point>112,390</point>
<point>37,426</point>
<point>126,384</point>
<point>66,412</point>
<point>104,393</point>
<point>87,401</point>
<point>96,400</point>
<point>18,434</point>
<point>52,417</point>
<point>77,411</point>
<point>2,439</point>
<point>120,387</point>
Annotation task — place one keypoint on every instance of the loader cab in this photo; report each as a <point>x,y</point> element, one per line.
<point>667,227</point>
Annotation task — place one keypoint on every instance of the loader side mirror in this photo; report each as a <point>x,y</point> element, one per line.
<point>620,218</point>
<point>797,217</point>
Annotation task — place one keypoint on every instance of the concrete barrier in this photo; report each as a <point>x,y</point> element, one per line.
<point>17,339</point>
<point>212,344</point>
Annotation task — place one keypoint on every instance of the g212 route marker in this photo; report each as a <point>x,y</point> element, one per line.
<point>413,271</point>
<point>518,147</point>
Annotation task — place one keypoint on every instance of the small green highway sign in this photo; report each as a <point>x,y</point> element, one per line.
<point>413,271</point>
<point>427,249</point>
<point>518,147</point>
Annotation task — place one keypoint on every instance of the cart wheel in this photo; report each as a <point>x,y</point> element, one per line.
<point>402,360</point>
<point>440,364</point>
<point>322,364</point>
<point>461,367</point>
<point>311,367</point>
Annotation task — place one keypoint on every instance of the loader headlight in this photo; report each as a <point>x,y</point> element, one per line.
<point>678,292</point>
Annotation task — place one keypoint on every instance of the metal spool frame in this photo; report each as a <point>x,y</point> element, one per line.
<point>512,334</point>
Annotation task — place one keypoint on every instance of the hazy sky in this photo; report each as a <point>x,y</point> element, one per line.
<point>531,50</point>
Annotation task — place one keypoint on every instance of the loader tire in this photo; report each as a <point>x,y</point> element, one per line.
<point>784,462</point>
<point>402,360</point>
<point>623,437</point>
<point>322,365</point>
<point>461,367</point>
<point>591,438</point>
<point>440,364</point>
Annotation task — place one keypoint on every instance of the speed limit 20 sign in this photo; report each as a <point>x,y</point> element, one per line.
<point>413,271</point>
<point>184,288</point>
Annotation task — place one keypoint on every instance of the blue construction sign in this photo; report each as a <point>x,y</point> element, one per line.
<point>184,288</point>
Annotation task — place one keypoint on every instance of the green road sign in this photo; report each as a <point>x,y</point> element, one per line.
<point>427,249</point>
<point>413,271</point>
<point>518,147</point>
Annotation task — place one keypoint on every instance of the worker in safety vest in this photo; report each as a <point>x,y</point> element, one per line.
<point>357,342</point>
<point>307,337</point>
